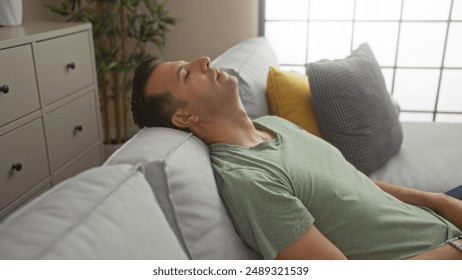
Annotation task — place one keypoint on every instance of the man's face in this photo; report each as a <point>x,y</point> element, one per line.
<point>206,91</point>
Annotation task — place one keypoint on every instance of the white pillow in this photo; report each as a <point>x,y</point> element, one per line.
<point>103,213</point>
<point>177,166</point>
<point>249,61</point>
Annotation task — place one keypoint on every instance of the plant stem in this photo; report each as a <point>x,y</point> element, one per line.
<point>123,37</point>
<point>104,91</point>
<point>104,111</point>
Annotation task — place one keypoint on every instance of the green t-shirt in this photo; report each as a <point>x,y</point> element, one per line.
<point>276,190</point>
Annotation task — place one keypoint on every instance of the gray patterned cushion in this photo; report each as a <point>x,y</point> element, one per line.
<point>354,109</point>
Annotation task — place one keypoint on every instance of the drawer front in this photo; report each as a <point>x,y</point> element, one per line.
<point>64,65</point>
<point>25,149</point>
<point>18,75</point>
<point>71,129</point>
<point>91,158</point>
<point>33,193</point>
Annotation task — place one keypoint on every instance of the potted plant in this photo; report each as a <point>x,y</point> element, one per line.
<point>122,29</point>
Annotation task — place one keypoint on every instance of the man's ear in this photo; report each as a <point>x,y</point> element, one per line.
<point>184,118</point>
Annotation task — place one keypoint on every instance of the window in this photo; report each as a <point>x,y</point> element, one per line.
<point>418,44</point>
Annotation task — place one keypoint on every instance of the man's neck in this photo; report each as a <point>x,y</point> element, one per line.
<point>241,132</point>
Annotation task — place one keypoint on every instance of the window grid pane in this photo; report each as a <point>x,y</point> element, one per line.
<point>415,117</point>
<point>449,117</point>
<point>426,9</point>
<point>450,98</point>
<point>413,40</point>
<point>331,9</point>
<point>288,35</point>
<point>286,9</point>
<point>421,44</point>
<point>378,9</point>
<point>329,40</point>
<point>456,10</point>
<point>454,46</point>
<point>381,36</point>
<point>415,89</point>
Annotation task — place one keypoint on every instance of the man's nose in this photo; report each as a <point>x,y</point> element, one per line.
<point>204,63</point>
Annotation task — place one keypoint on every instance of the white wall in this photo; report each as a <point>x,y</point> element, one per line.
<point>34,10</point>
<point>207,27</point>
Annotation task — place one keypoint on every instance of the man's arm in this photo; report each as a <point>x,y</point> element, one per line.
<point>444,252</point>
<point>313,245</point>
<point>448,207</point>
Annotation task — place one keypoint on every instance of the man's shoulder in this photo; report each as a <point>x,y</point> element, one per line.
<point>268,120</point>
<point>275,122</point>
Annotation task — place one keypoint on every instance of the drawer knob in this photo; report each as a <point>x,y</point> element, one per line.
<point>71,66</point>
<point>5,89</point>
<point>78,128</point>
<point>16,167</point>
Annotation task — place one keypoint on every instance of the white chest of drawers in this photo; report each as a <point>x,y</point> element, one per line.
<point>49,113</point>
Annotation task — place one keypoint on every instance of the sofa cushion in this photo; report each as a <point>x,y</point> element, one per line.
<point>177,166</point>
<point>289,97</point>
<point>354,109</point>
<point>103,213</point>
<point>430,158</point>
<point>249,61</point>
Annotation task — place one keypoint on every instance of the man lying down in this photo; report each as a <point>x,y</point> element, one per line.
<point>292,195</point>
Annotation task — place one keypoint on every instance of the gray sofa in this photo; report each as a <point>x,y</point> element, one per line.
<point>156,197</point>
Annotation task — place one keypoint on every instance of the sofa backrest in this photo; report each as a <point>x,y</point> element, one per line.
<point>103,213</point>
<point>177,166</point>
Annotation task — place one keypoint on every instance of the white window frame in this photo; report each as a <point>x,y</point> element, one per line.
<point>435,113</point>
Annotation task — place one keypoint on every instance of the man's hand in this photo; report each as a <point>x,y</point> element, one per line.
<point>448,207</point>
<point>444,252</point>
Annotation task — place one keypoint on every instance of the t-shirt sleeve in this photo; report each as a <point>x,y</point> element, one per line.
<point>267,216</point>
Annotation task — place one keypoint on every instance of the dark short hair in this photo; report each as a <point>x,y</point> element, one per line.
<point>151,108</point>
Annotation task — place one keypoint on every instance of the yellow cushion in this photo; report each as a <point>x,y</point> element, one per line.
<point>289,97</point>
